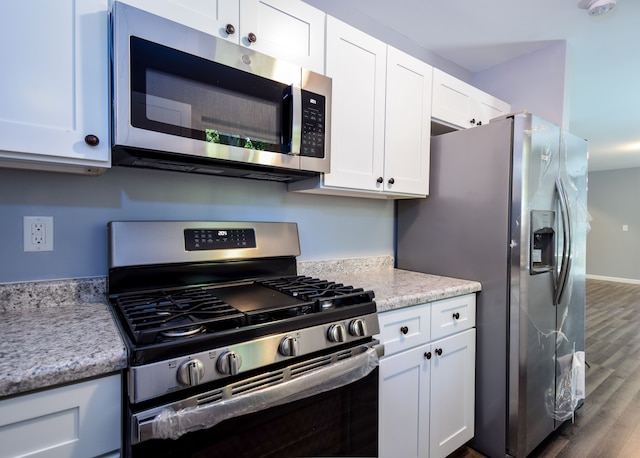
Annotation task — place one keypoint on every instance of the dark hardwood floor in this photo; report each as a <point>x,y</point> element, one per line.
<point>608,424</point>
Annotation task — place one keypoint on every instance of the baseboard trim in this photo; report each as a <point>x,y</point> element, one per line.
<point>614,279</point>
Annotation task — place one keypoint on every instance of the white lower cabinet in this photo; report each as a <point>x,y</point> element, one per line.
<point>80,420</point>
<point>427,378</point>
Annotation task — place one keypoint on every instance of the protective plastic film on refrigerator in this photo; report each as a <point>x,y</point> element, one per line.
<point>507,208</point>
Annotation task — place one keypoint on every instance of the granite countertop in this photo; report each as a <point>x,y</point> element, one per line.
<point>393,288</point>
<point>57,332</point>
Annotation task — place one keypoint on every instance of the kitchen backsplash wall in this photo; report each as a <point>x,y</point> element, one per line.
<point>81,206</point>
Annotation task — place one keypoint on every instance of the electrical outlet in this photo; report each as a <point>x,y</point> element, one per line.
<point>38,233</point>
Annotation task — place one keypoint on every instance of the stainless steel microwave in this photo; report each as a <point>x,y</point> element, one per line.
<point>185,100</point>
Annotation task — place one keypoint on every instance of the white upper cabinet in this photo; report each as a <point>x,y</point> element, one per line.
<point>407,126</point>
<point>462,105</point>
<point>356,62</point>
<point>54,97</point>
<point>381,110</point>
<point>286,29</point>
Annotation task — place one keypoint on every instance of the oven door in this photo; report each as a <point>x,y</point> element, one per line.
<point>325,406</point>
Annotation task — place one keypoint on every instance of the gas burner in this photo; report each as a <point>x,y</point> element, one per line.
<point>183,332</point>
<point>327,304</point>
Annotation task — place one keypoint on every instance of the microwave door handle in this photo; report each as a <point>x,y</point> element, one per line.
<point>296,119</point>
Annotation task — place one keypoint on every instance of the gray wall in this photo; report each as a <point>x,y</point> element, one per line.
<point>345,13</point>
<point>534,82</point>
<point>611,252</point>
<point>329,227</point>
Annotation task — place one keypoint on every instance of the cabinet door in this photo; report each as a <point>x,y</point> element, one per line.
<point>210,16</point>
<point>451,100</point>
<point>404,404</point>
<point>486,107</point>
<point>407,124</point>
<point>55,81</point>
<point>286,29</point>
<point>79,420</point>
<point>452,392</point>
<point>357,64</point>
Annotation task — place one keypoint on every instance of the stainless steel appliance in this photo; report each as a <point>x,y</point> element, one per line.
<point>187,101</point>
<point>508,208</point>
<point>231,352</point>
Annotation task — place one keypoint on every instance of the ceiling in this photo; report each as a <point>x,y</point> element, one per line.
<point>603,53</point>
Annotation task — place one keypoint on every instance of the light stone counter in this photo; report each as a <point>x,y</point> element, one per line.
<point>57,332</point>
<point>54,333</point>
<point>393,288</point>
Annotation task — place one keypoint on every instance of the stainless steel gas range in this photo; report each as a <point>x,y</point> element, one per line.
<point>231,352</point>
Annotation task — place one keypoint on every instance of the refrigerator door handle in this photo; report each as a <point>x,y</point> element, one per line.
<point>565,265</point>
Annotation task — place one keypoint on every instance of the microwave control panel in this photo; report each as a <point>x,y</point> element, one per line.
<point>313,124</point>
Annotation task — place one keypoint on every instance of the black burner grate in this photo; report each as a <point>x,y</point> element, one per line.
<point>182,313</point>
<point>150,315</point>
<point>328,293</point>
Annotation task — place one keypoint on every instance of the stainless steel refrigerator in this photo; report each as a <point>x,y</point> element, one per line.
<point>507,207</point>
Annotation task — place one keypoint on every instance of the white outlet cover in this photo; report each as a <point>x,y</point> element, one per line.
<point>47,238</point>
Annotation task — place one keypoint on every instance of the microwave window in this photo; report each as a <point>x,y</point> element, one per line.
<point>184,95</point>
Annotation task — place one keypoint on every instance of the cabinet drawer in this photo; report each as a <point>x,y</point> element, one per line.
<point>456,314</point>
<point>405,328</point>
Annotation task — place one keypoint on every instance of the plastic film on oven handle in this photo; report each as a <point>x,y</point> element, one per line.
<point>171,424</point>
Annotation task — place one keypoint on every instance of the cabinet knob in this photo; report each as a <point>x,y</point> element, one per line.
<point>380,180</point>
<point>456,316</point>
<point>230,29</point>
<point>439,351</point>
<point>427,355</point>
<point>473,121</point>
<point>404,329</point>
<point>391,181</point>
<point>91,140</point>
<point>252,37</point>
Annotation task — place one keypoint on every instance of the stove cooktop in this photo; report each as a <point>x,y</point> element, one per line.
<point>184,314</point>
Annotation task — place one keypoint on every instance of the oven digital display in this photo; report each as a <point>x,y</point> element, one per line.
<point>218,239</point>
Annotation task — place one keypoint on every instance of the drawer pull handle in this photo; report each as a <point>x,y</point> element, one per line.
<point>439,351</point>
<point>456,316</point>
<point>404,329</point>
<point>427,354</point>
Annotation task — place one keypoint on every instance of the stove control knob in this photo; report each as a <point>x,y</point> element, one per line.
<point>229,363</point>
<point>336,333</point>
<point>289,346</point>
<point>191,372</point>
<point>358,328</point>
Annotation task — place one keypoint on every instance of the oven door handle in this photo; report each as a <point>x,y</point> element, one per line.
<point>172,421</point>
